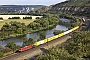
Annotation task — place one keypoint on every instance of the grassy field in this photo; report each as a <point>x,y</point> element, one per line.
<point>20,20</point>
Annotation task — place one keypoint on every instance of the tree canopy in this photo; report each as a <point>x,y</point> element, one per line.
<point>76,48</point>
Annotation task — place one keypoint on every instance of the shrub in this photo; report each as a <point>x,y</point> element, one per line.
<point>27,17</point>
<point>1,18</point>
<point>14,18</point>
<point>1,54</point>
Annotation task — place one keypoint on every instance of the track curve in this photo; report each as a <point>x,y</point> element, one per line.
<point>37,50</point>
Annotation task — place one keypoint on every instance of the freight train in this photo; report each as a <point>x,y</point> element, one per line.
<point>48,39</point>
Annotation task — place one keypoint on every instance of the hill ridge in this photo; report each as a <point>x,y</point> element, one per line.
<point>74,3</point>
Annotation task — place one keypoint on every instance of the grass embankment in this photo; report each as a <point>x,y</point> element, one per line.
<point>26,21</point>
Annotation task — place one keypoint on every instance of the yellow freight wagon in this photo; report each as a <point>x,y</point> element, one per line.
<point>75,28</point>
<point>59,35</point>
<point>54,37</point>
<point>36,43</point>
<point>45,40</point>
<point>49,39</point>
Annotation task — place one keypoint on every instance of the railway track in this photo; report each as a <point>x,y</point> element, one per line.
<point>37,50</point>
<point>88,27</point>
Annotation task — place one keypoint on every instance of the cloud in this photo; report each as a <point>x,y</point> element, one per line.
<point>30,2</point>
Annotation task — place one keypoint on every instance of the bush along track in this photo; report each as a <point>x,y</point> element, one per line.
<point>76,49</point>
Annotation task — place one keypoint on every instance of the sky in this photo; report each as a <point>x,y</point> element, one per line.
<point>30,2</point>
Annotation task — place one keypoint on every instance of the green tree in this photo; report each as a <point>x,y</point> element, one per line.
<point>1,18</point>
<point>56,32</point>
<point>5,50</point>
<point>37,18</point>
<point>42,35</point>
<point>30,41</point>
<point>12,46</point>
<point>24,41</point>
<point>1,54</point>
<point>19,30</point>
<point>31,12</point>
<point>1,47</point>
<point>56,54</point>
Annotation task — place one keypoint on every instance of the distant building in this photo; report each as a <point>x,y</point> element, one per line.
<point>19,8</point>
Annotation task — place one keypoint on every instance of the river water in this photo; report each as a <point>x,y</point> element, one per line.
<point>64,20</point>
<point>35,36</point>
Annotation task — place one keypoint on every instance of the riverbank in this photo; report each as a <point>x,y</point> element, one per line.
<point>37,50</point>
<point>33,31</point>
<point>15,29</point>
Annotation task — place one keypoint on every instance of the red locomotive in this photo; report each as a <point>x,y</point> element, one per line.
<point>25,48</point>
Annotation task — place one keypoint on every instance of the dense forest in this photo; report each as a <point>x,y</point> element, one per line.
<point>76,49</point>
